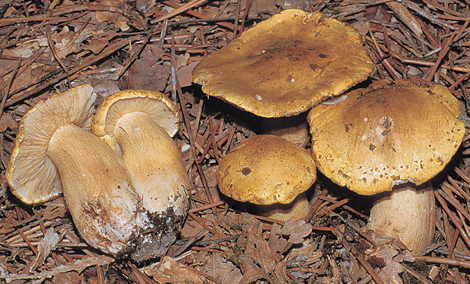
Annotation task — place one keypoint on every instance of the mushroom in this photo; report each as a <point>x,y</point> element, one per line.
<point>269,171</point>
<point>285,65</point>
<point>55,152</point>
<point>394,134</point>
<point>139,125</point>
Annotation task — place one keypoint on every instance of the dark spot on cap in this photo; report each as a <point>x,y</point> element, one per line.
<point>385,132</point>
<point>372,147</point>
<point>321,55</point>
<point>314,66</point>
<point>387,123</point>
<point>246,171</point>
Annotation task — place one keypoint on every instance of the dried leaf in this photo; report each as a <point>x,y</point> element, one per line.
<point>7,121</point>
<point>71,277</point>
<point>351,271</point>
<point>297,230</point>
<point>96,45</point>
<point>276,242</point>
<point>382,257</point>
<point>52,212</point>
<point>185,76</point>
<point>222,269</point>
<point>258,250</point>
<point>44,249</point>
<point>113,17</point>
<point>280,272</point>
<point>405,15</point>
<point>251,273</point>
<point>170,271</point>
<point>78,266</point>
<point>144,75</point>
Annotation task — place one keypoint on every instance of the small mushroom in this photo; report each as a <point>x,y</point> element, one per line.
<point>394,134</point>
<point>268,170</point>
<point>285,65</point>
<point>55,152</point>
<point>139,125</point>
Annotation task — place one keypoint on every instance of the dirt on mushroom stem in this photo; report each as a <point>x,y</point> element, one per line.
<point>129,121</point>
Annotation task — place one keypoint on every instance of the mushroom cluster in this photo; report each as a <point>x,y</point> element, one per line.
<point>284,66</point>
<point>56,153</point>
<point>393,134</point>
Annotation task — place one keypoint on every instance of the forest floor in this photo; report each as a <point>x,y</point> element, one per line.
<point>47,47</point>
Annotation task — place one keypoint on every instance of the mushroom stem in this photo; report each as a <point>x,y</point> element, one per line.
<point>97,189</point>
<point>159,175</point>
<point>407,213</point>
<point>154,162</point>
<point>297,209</point>
<point>294,128</point>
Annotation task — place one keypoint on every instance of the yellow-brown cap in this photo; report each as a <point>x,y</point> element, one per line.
<point>390,133</point>
<point>266,169</point>
<point>155,104</point>
<point>285,65</point>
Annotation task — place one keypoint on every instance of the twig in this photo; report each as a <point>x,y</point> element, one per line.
<point>191,4</point>
<point>198,15</point>
<point>56,56</point>
<point>444,50</point>
<point>187,124</point>
<point>415,274</point>
<point>112,49</point>
<point>453,218</point>
<point>454,262</point>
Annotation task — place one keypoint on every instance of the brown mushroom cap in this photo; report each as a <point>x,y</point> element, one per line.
<point>286,64</point>
<point>390,133</point>
<point>266,169</point>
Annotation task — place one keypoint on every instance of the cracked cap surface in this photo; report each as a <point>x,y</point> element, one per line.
<point>389,133</point>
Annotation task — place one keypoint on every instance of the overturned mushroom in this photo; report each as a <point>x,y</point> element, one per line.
<point>139,125</point>
<point>271,172</point>
<point>55,153</point>
<point>394,134</point>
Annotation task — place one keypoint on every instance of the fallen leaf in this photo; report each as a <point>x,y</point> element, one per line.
<point>276,241</point>
<point>143,75</point>
<point>44,248</point>
<point>7,121</point>
<point>297,230</point>
<point>170,271</point>
<point>222,269</point>
<point>184,74</point>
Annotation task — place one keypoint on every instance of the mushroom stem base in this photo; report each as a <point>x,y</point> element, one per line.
<point>407,213</point>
